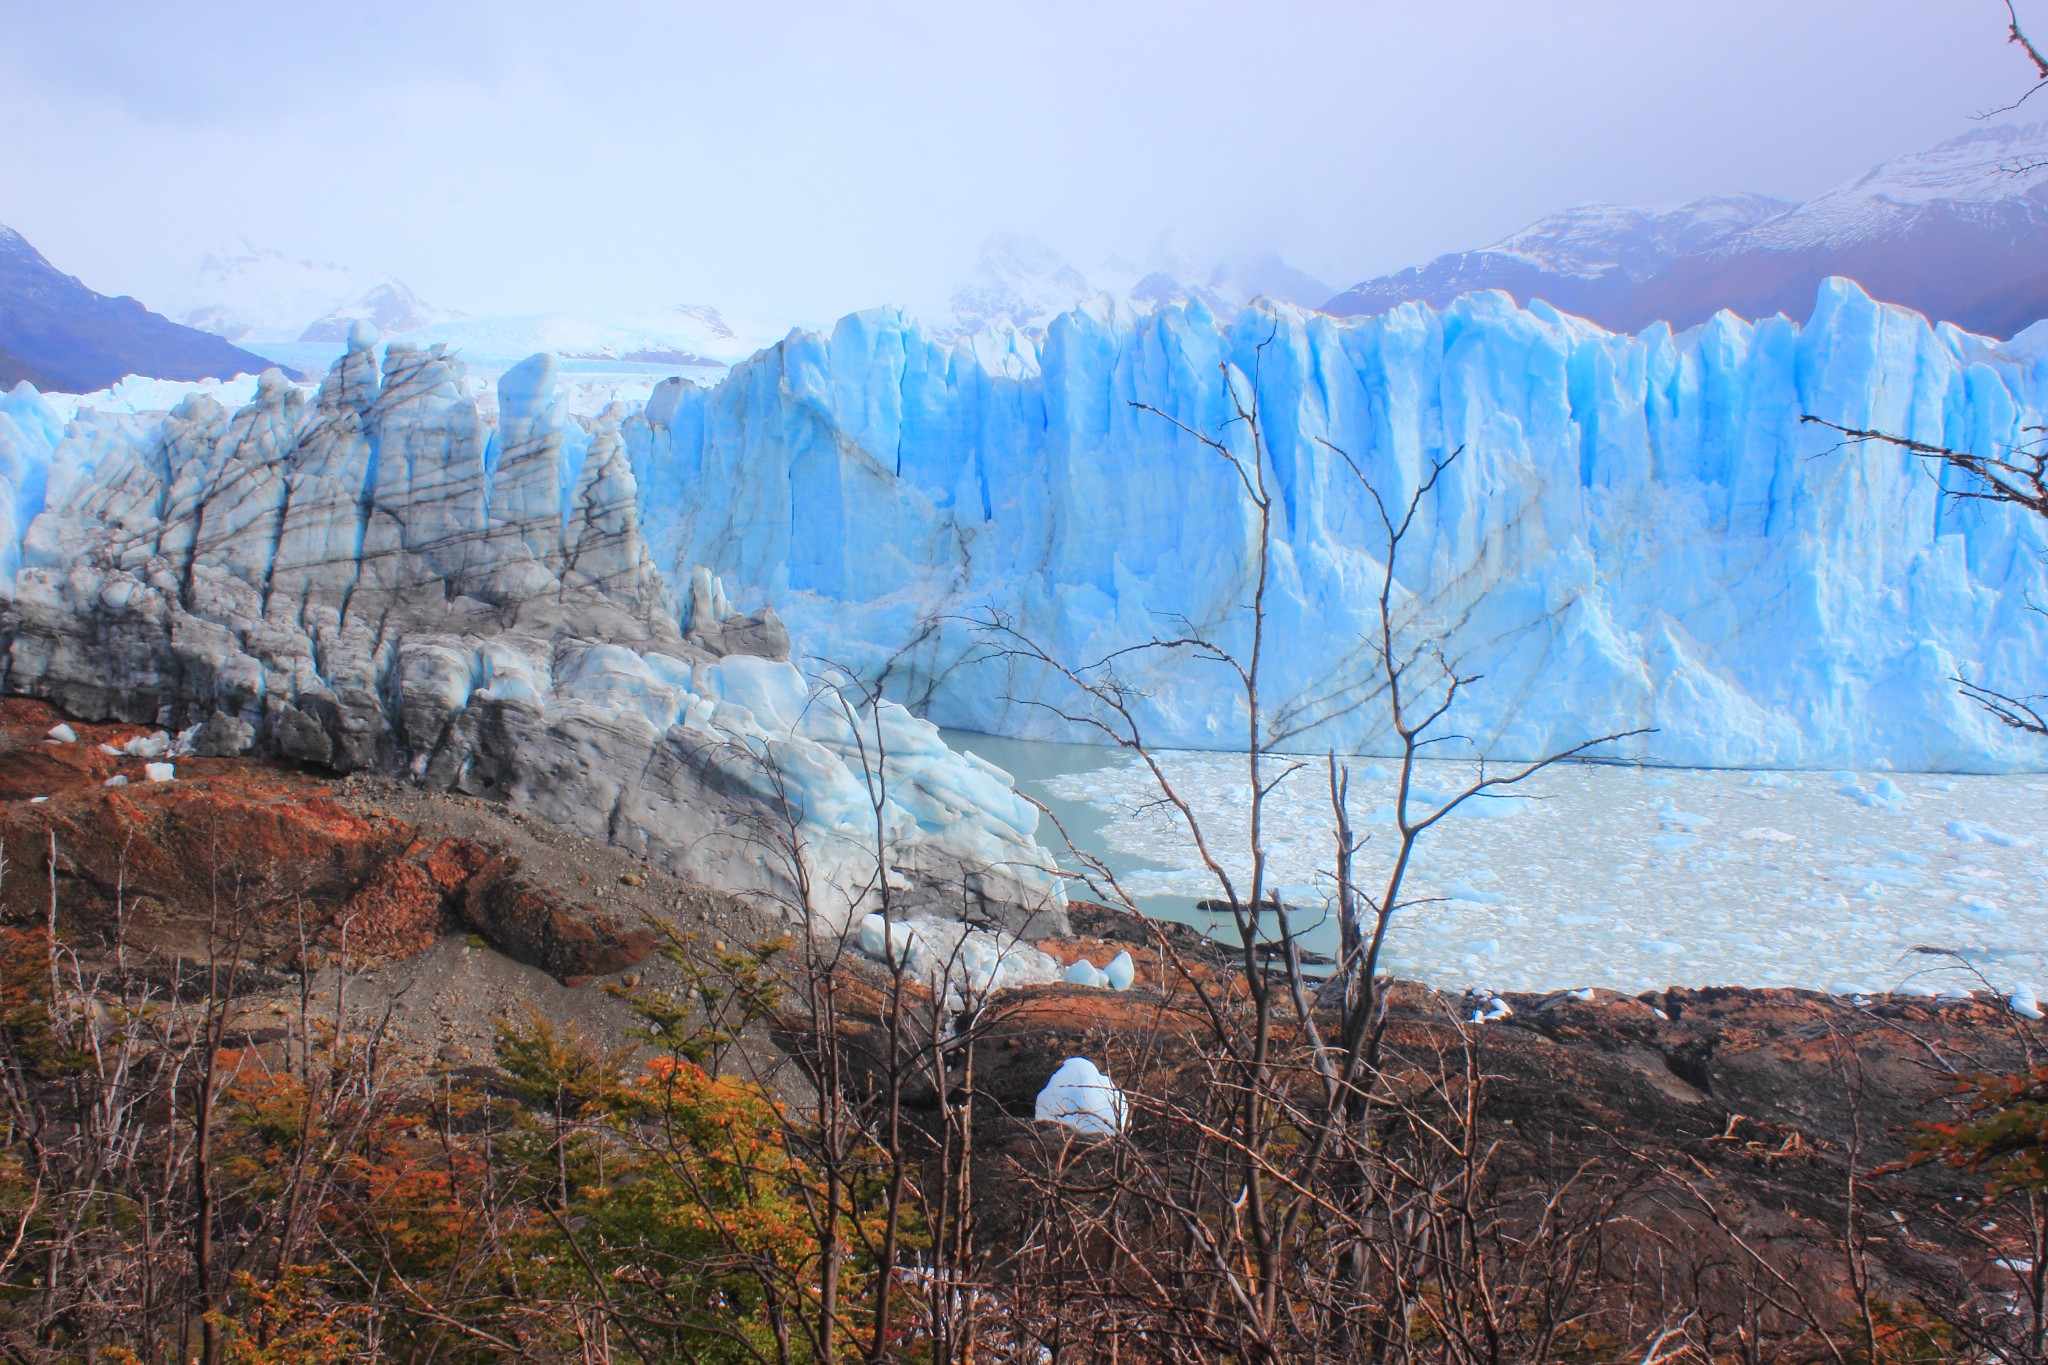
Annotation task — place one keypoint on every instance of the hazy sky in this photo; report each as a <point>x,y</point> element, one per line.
<point>801,160</point>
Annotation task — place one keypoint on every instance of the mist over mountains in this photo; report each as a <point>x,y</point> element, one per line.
<point>60,335</point>
<point>1958,231</point>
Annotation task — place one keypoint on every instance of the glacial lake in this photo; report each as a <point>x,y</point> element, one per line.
<point>1607,875</point>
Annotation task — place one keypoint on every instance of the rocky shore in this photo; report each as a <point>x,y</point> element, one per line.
<point>453,913</point>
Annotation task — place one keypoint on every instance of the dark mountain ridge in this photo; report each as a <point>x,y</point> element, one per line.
<point>62,336</point>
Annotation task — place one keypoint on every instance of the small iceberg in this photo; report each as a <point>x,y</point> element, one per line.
<point>1080,1097</point>
<point>1116,976</point>
<point>148,746</point>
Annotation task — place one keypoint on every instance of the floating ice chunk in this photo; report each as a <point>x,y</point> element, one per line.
<point>1971,833</point>
<point>1764,834</point>
<point>160,772</point>
<point>1774,780</point>
<point>1462,891</point>
<point>1082,972</point>
<point>1884,796</point>
<point>1673,843</point>
<point>63,734</point>
<point>1121,972</point>
<point>117,780</point>
<point>1663,947</point>
<point>1886,876</point>
<point>1080,1097</point>
<point>1670,817</point>
<point>148,746</point>
<point>2022,1001</point>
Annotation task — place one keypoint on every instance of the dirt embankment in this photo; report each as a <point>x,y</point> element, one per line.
<point>453,913</point>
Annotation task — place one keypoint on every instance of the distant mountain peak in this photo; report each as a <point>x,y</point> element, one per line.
<point>259,294</point>
<point>1021,282</point>
<point>390,307</point>
<point>1958,231</point>
<point>60,335</point>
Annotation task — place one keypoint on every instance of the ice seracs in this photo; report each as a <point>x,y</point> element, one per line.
<point>1635,526</point>
<point>542,603</point>
<point>382,576</point>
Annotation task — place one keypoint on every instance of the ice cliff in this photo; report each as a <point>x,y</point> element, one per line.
<point>376,576</point>
<point>1639,533</point>
<point>528,604</point>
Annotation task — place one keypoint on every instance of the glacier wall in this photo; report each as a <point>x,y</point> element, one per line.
<point>387,576</point>
<point>1638,534</point>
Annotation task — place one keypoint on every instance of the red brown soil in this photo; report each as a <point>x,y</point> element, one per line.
<point>290,868</point>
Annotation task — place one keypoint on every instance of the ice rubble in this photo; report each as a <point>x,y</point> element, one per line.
<point>973,960</point>
<point>1634,879</point>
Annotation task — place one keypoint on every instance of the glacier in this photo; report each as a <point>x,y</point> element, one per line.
<point>1639,533</point>
<point>378,576</point>
<point>494,588</point>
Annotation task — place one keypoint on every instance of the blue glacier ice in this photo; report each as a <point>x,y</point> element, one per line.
<point>1639,532</point>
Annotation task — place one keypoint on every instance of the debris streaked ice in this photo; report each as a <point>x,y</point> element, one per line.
<point>1778,880</point>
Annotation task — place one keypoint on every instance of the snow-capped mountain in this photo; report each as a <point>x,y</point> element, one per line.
<point>57,333</point>
<point>1022,282</point>
<point>389,307</point>
<point>274,303</point>
<point>261,295</point>
<point>1958,231</point>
